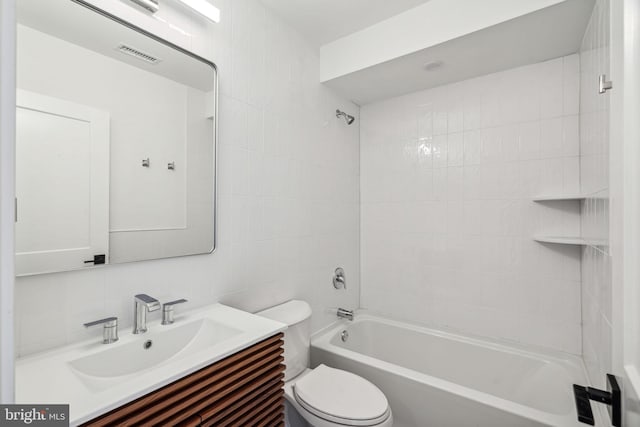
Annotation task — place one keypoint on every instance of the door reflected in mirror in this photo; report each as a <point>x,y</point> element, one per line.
<point>115,142</point>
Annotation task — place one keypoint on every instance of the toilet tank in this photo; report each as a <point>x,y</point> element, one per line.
<point>297,316</point>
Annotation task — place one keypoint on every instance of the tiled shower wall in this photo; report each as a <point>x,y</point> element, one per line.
<point>596,258</point>
<point>288,191</point>
<point>447,220</point>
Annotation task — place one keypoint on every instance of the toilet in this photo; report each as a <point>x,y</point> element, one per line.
<point>324,396</point>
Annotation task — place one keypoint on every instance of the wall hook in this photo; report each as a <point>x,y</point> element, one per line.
<point>171,166</point>
<point>146,163</point>
<point>604,84</point>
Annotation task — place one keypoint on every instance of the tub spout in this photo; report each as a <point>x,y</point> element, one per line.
<point>345,314</point>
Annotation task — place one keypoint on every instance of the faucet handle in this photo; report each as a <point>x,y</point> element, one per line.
<point>109,329</point>
<point>107,322</point>
<point>339,279</point>
<point>167,310</point>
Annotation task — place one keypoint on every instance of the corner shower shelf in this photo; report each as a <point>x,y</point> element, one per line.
<point>558,198</point>
<point>564,240</point>
<point>579,241</point>
<point>560,240</point>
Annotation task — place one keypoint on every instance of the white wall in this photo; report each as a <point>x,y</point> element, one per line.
<point>7,186</point>
<point>288,190</point>
<point>447,220</point>
<point>594,145</point>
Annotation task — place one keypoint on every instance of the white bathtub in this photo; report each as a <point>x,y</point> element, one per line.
<point>439,379</point>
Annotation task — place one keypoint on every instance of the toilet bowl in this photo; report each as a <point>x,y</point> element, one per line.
<point>328,397</point>
<point>324,396</point>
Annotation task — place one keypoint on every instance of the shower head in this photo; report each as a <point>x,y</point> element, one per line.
<point>347,118</point>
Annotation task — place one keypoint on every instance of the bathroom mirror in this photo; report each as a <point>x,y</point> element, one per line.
<point>116,147</point>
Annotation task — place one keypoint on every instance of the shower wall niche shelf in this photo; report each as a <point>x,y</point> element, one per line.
<point>559,198</point>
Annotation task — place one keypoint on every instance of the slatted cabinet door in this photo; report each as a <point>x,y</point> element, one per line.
<point>244,389</point>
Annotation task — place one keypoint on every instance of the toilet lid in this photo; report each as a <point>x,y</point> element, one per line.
<point>342,397</point>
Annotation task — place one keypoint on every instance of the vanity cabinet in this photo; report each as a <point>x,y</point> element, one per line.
<point>244,389</point>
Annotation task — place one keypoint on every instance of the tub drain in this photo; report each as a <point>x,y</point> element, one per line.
<point>344,336</point>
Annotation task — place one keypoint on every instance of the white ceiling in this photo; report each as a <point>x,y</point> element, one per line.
<point>549,33</point>
<point>323,21</point>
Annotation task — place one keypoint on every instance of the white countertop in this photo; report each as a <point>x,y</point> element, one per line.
<point>48,377</point>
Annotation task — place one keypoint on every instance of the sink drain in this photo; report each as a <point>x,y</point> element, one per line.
<point>147,344</point>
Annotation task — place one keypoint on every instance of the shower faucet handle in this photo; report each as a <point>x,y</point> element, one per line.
<point>339,279</point>
<point>167,311</point>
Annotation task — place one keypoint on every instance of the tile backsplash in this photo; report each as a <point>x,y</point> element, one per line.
<point>594,160</point>
<point>447,217</point>
<point>288,190</point>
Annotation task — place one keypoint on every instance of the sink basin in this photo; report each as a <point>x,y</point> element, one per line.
<point>152,349</point>
<point>95,378</point>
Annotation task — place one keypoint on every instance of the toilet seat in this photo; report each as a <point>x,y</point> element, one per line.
<point>341,397</point>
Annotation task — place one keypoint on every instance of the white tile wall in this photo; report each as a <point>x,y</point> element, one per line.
<point>447,177</point>
<point>596,258</point>
<point>288,191</point>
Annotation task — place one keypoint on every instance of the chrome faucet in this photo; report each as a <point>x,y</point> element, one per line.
<point>142,304</point>
<point>345,314</point>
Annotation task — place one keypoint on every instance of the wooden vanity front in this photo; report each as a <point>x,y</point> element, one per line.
<point>244,389</point>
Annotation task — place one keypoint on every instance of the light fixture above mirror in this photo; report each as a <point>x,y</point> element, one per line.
<point>151,5</point>
<point>204,8</point>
